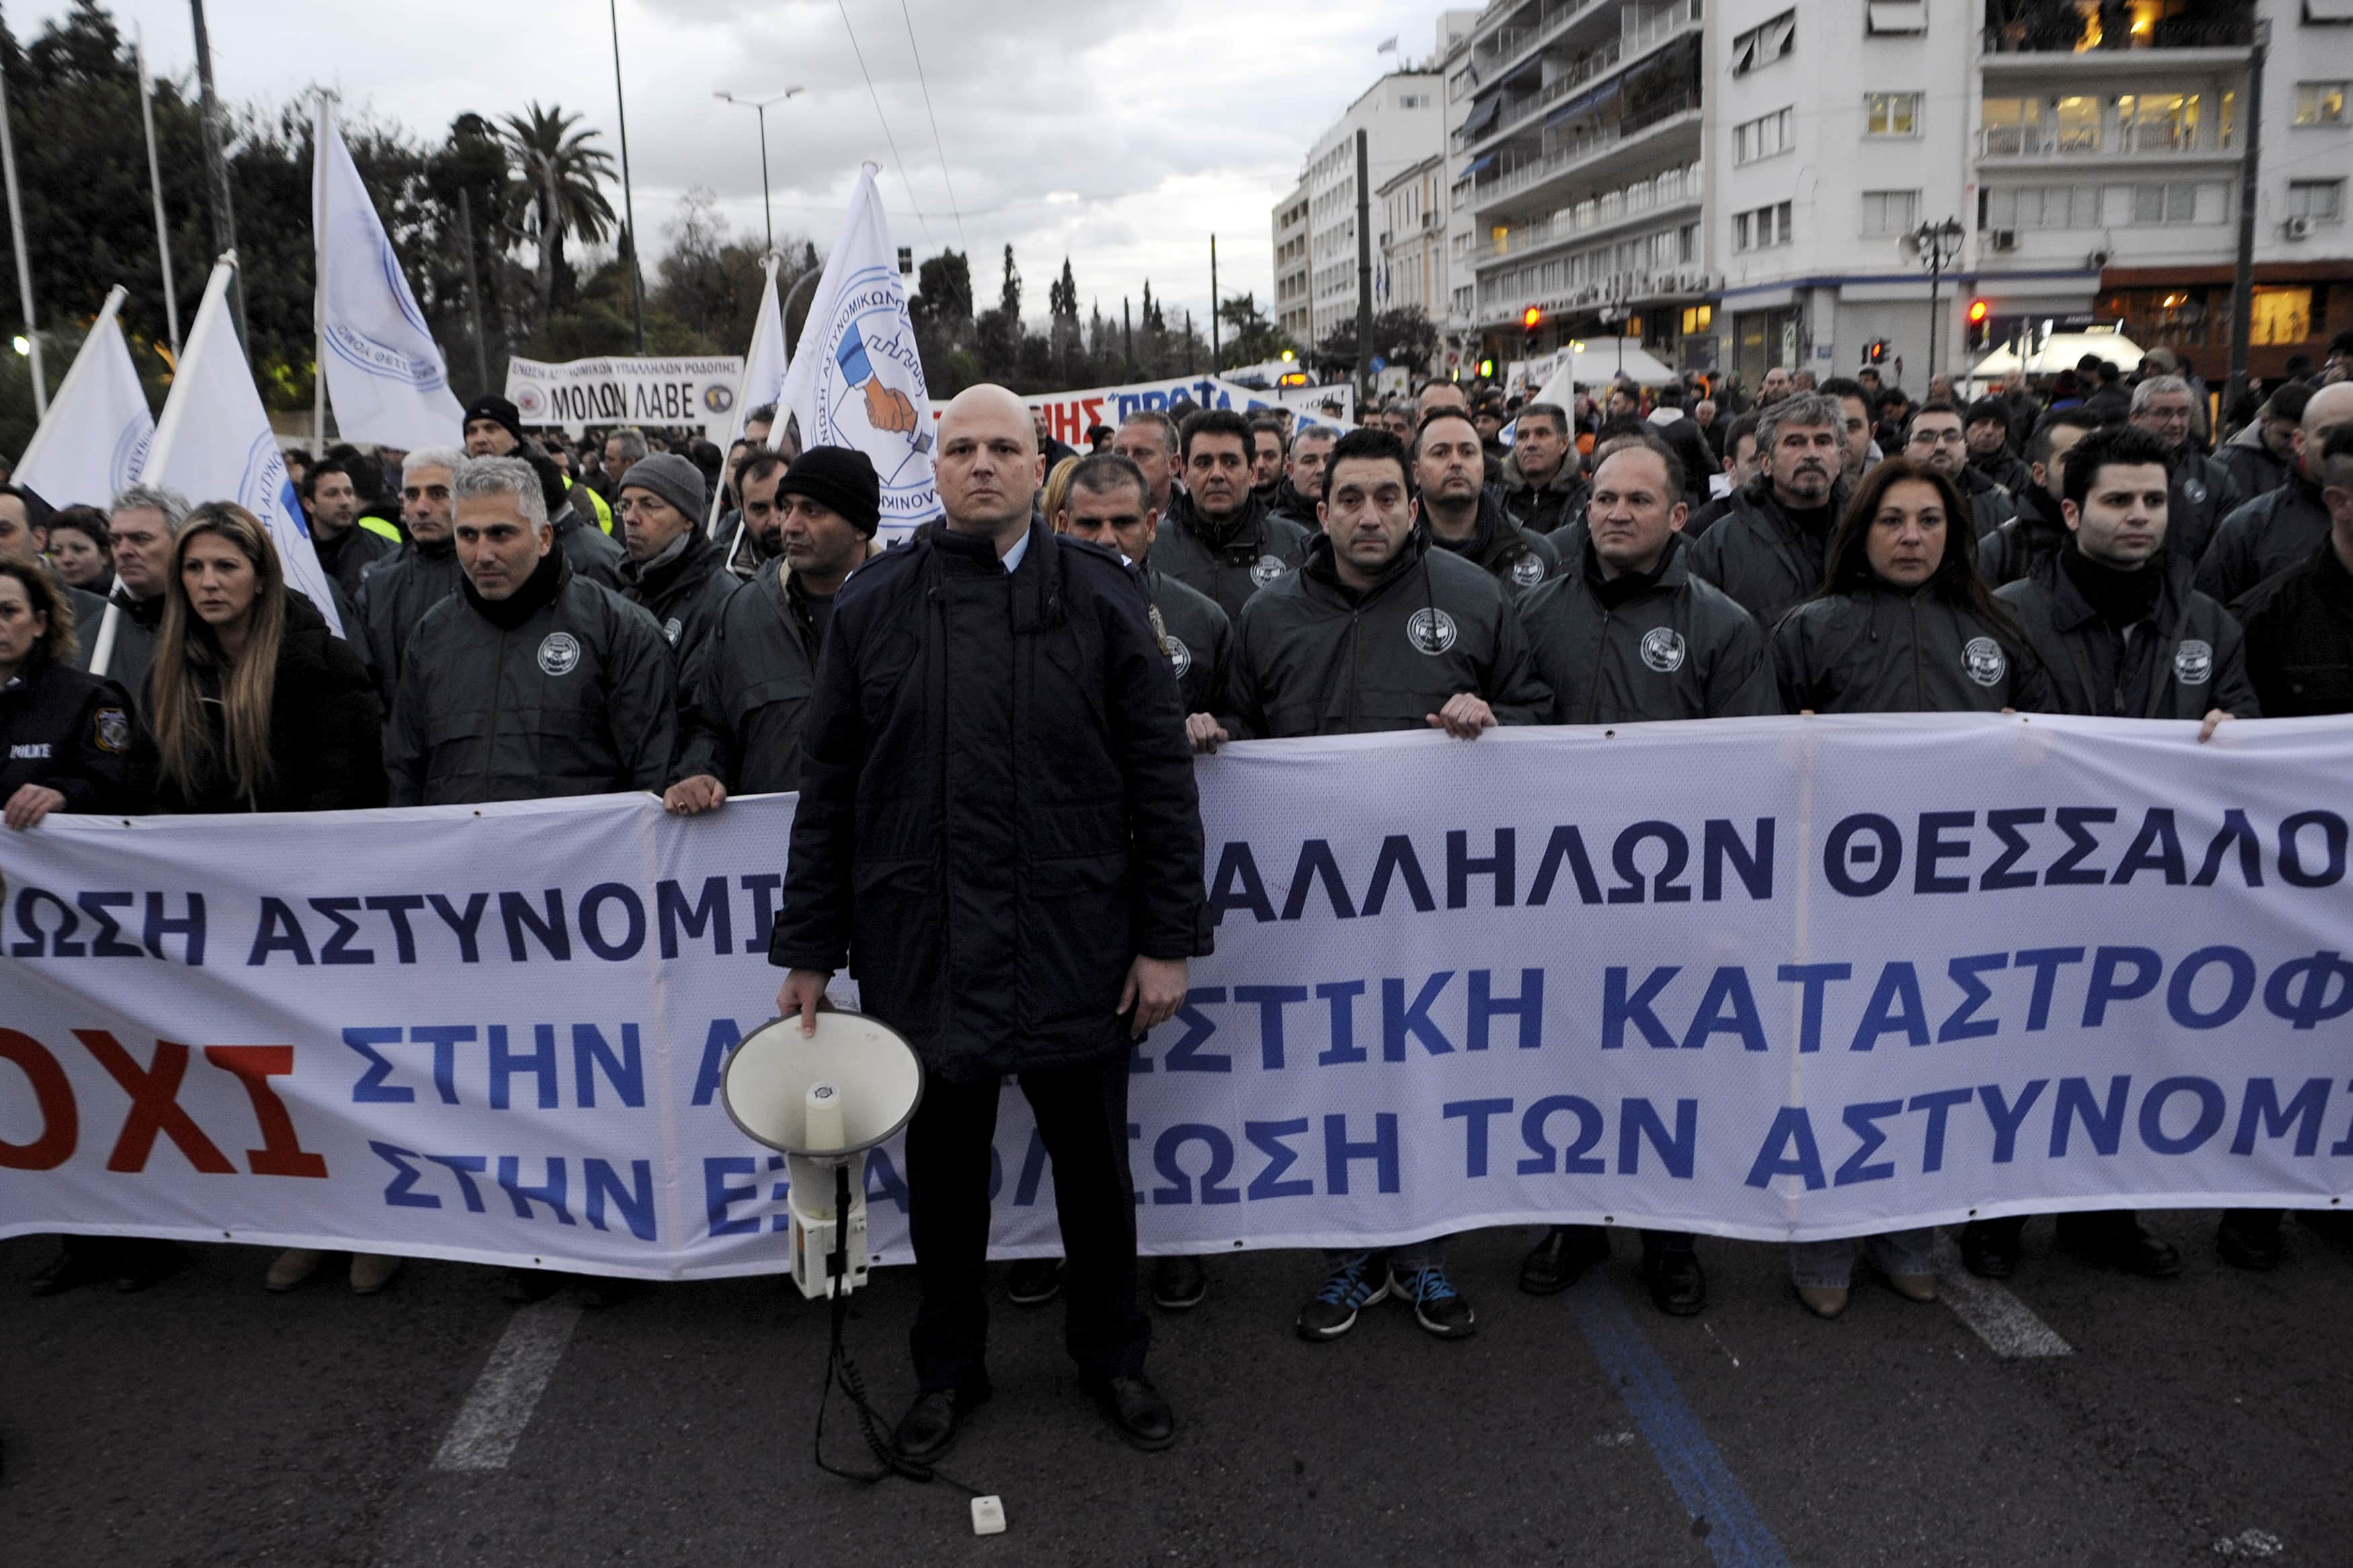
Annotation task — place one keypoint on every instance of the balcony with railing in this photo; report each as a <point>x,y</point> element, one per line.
<point>1676,190</point>
<point>2168,125</point>
<point>2025,35</point>
<point>1642,33</point>
<point>1526,178</point>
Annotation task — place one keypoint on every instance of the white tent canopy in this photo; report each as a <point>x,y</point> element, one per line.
<point>1595,362</point>
<point>2059,352</point>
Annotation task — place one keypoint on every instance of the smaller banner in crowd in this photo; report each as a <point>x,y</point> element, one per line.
<point>856,378</point>
<point>98,430</point>
<point>213,442</point>
<point>384,373</point>
<point>1070,415</point>
<point>697,392</point>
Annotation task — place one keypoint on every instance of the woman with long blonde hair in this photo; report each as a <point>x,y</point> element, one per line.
<point>252,704</point>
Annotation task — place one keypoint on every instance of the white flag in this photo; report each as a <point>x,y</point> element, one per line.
<point>213,442</point>
<point>97,433</point>
<point>384,376</point>
<point>855,379</point>
<point>762,380</point>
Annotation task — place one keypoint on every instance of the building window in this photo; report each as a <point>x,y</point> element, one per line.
<point>2157,121</point>
<point>1761,45</point>
<point>2317,200</point>
<point>1413,100</point>
<point>1880,16</point>
<point>2320,103</point>
<point>2043,207</point>
<point>1762,137</point>
<point>2280,316</point>
<point>1762,228</point>
<point>1698,319</point>
<point>2012,126</point>
<point>2167,204</point>
<point>1890,212</point>
<point>1891,114</point>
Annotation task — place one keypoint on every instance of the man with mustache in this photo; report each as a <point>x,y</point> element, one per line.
<point>1769,551</point>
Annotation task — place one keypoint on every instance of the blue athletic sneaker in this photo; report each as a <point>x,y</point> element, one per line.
<point>1356,1284</point>
<point>1437,1305</point>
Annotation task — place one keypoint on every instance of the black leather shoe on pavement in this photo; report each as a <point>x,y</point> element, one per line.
<point>930,1424</point>
<point>1678,1285</point>
<point>1988,1251</point>
<point>1137,1410</point>
<point>74,1265</point>
<point>1178,1283</point>
<point>1561,1257</point>
<point>2252,1246</point>
<point>1033,1281</point>
<point>2122,1242</point>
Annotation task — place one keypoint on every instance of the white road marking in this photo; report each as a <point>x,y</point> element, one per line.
<point>2006,1325</point>
<point>492,1421</point>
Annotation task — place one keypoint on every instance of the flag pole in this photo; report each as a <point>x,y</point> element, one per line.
<point>156,180</point>
<point>321,123</point>
<point>24,266</point>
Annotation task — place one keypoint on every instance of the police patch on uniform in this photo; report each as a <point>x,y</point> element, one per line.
<point>559,653</point>
<point>1180,658</point>
<point>1662,649</point>
<point>2193,662</point>
<point>1266,569</point>
<point>1430,631</point>
<point>1528,570</point>
<point>670,629</point>
<point>1982,658</point>
<point>109,729</point>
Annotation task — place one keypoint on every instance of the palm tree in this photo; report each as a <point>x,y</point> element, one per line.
<point>560,173</point>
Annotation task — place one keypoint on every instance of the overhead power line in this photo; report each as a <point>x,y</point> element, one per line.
<point>938,145</point>
<point>885,119</point>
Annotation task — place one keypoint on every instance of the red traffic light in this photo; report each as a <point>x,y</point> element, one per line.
<point>1530,317</point>
<point>1978,311</point>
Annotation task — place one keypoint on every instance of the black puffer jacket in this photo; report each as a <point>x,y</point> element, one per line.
<point>2024,544</point>
<point>1228,564</point>
<point>2182,656</point>
<point>1313,657</point>
<point>685,589</point>
<point>1543,509</point>
<point>2300,638</point>
<point>1759,557</point>
<point>1628,649</point>
<point>326,742</point>
<point>1881,649</point>
<point>997,811</point>
<point>747,694</point>
<point>68,731</point>
<point>2277,530</point>
<point>1513,555</point>
<point>395,598</point>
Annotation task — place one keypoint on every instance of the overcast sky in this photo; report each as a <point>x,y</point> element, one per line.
<point>1122,135</point>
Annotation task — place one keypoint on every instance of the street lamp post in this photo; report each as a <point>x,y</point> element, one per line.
<point>1932,245</point>
<point>760,106</point>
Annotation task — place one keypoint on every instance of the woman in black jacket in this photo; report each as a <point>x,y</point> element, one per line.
<point>65,735</point>
<point>252,704</point>
<point>1903,624</point>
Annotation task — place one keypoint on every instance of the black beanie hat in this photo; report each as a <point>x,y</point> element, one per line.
<point>491,406</point>
<point>839,478</point>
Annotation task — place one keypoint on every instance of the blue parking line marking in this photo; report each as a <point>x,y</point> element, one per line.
<point>1736,1534</point>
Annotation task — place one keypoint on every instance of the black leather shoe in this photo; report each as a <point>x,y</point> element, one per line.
<point>72,1267</point>
<point>2121,1241</point>
<point>1561,1257</point>
<point>525,1286</point>
<point>1137,1410</point>
<point>143,1264</point>
<point>1988,1251</point>
<point>1178,1283</point>
<point>2246,1241</point>
<point>931,1422</point>
<point>1678,1284</point>
<point>1033,1281</point>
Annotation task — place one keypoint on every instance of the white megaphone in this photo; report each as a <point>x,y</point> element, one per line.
<point>819,1100</point>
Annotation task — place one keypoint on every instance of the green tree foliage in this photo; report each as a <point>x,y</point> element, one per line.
<point>1249,337</point>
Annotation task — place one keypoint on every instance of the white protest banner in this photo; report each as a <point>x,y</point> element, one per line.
<point>98,429</point>
<point>856,378</point>
<point>697,392</point>
<point>384,374</point>
<point>214,443</point>
<point>763,374</point>
<point>1766,978</point>
<point>1070,415</point>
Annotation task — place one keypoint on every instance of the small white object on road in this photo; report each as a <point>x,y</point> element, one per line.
<point>987,1516</point>
<point>2006,1325</point>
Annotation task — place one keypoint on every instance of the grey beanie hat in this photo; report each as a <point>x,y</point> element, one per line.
<point>673,479</point>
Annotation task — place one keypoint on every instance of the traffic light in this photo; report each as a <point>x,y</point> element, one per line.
<point>1875,351</point>
<point>1486,369</point>
<point>1980,325</point>
<point>1530,318</point>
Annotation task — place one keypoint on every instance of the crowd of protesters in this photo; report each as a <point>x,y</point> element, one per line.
<point>526,617</point>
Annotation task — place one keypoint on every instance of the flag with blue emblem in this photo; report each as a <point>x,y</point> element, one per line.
<point>96,436</point>
<point>385,376</point>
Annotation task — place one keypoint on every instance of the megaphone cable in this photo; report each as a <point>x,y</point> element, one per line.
<point>839,1369</point>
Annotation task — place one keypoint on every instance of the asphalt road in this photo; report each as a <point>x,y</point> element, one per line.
<point>2201,1420</point>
